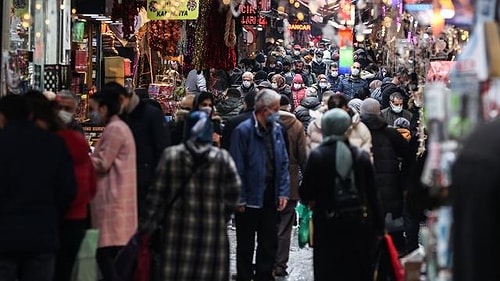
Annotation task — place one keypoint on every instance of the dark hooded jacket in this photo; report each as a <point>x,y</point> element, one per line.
<point>229,107</point>
<point>302,111</point>
<point>390,152</point>
<point>389,88</point>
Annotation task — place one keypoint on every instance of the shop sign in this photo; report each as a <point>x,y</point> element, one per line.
<point>250,16</point>
<point>301,27</point>
<point>173,9</point>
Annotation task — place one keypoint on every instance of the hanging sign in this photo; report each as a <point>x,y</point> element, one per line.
<point>301,27</point>
<point>250,16</point>
<point>173,9</point>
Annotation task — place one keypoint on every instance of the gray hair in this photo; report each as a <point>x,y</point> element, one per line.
<point>68,94</point>
<point>265,98</point>
<point>327,95</point>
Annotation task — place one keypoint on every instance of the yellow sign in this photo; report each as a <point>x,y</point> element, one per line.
<point>173,9</point>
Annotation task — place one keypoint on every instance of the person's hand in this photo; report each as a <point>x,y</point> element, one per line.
<point>282,204</point>
<point>240,208</point>
<point>311,205</point>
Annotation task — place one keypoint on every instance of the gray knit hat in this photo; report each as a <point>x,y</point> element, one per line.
<point>370,106</point>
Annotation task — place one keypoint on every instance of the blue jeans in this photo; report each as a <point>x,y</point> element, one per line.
<point>27,266</point>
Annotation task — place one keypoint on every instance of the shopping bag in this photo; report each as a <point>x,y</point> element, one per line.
<point>387,266</point>
<point>125,262</point>
<point>143,268</point>
<point>85,267</point>
<point>305,214</point>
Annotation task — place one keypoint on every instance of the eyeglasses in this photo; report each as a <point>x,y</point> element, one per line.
<point>356,67</point>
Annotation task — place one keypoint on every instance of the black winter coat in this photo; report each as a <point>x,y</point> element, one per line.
<point>151,136</point>
<point>229,108</point>
<point>302,111</point>
<point>37,188</point>
<point>391,156</point>
<point>230,125</point>
<point>342,250</point>
<point>475,195</point>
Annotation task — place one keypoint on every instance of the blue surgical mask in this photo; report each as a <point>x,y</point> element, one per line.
<point>95,118</point>
<point>273,117</point>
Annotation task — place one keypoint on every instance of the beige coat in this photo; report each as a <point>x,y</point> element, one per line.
<point>296,150</point>
<point>358,134</point>
<point>114,208</point>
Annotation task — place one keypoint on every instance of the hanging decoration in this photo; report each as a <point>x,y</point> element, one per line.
<point>163,36</point>
<point>127,11</point>
<point>188,46</point>
<point>200,34</point>
<point>218,54</point>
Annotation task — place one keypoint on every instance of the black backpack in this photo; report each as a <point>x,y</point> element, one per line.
<point>347,202</point>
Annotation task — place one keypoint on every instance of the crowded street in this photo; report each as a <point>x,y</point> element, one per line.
<point>249,140</point>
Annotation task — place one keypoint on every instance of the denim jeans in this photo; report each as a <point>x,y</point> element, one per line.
<point>27,266</point>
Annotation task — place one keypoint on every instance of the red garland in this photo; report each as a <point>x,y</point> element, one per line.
<point>164,36</point>
<point>127,11</point>
<point>217,54</point>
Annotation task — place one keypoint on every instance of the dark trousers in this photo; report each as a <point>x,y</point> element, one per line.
<point>71,233</point>
<point>105,258</point>
<point>412,228</point>
<point>27,267</point>
<point>264,222</point>
<point>285,226</point>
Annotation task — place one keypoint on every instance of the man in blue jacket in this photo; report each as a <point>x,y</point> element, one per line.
<point>258,148</point>
<point>350,85</point>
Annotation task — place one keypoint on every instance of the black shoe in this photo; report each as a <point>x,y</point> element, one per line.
<point>280,272</point>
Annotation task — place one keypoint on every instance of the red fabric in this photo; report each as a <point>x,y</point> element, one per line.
<point>84,173</point>
<point>143,268</point>
<point>399,272</point>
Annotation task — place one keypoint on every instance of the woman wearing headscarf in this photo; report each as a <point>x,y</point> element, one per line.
<point>205,101</point>
<point>343,249</point>
<point>200,185</point>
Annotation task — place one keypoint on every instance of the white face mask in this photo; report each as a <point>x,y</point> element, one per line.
<point>65,116</point>
<point>272,65</point>
<point>296,53</point>
<point>355,72</point>
<point>323,85</point>
<point>246,84</point>
<point>396,108</point>
<point>274,85</point>
<point>206,109</point>
<point>297,86</point>
<point>334,73</point>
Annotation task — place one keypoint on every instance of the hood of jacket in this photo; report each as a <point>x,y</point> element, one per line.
<point>287,119</point>
<point>373,122</point>
<point>298,79</point>
<point>385,86</point>
<point>228,105</point>
<point>310,102</point>
<point>355,119</point>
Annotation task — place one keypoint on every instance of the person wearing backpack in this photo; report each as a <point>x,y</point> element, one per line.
<point>339,185</point>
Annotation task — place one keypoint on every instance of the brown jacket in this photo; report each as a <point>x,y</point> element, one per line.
<point>296,150</point>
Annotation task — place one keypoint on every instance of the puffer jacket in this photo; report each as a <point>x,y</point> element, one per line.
<point>229,108</point>
<point>358,134</point>
<point>302,111</point>
<point>390,152</point>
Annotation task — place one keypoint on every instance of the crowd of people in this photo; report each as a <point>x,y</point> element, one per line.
<point>285,130</point>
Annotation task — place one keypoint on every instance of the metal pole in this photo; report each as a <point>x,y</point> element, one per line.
<point>5,13</point>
